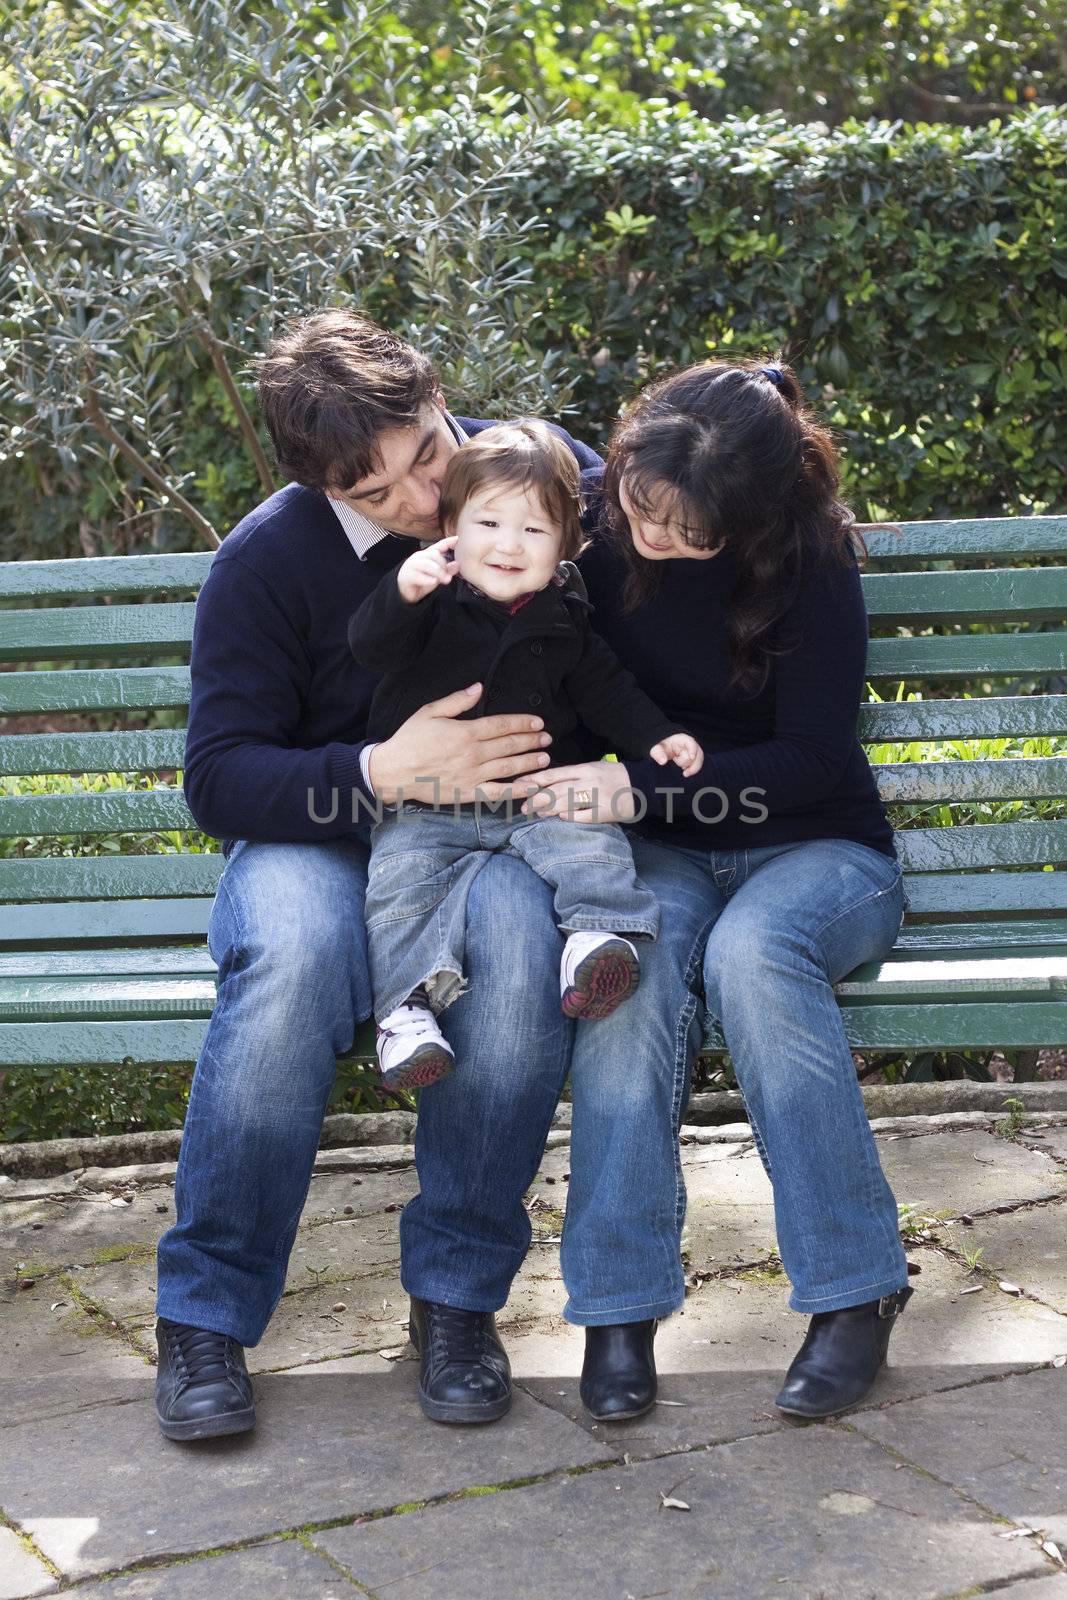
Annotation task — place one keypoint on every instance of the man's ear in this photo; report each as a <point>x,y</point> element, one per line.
<point>438,400</point>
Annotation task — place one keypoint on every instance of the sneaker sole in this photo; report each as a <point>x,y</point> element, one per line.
<point>208,1427</point>
<point>602,982</point>
<point>455,1411</point>
<point>428,1065</point>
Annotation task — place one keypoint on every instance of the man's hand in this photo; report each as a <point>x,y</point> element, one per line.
<point>683,750</point>
<point>482,754</point>
<point>426,571</point>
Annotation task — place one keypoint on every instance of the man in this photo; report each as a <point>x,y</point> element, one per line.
<point>278,767</point>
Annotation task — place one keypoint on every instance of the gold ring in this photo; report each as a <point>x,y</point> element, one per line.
<point>583,799</point>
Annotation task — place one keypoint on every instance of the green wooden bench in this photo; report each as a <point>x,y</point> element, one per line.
<point>103,959</point>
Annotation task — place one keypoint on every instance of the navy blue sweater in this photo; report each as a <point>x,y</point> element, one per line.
<point>796,741</point>
<point>279,706</point>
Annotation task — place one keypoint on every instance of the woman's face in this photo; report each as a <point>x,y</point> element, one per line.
<point>658,541</point>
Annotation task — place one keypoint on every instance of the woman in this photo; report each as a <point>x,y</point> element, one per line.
<point>725,576</point>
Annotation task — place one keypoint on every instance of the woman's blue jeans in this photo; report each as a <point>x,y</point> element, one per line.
<point>287,932</point>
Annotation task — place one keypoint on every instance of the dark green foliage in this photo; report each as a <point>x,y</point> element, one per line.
<point>916,276</point>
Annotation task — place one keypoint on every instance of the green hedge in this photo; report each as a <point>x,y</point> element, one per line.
<point>916,276</point>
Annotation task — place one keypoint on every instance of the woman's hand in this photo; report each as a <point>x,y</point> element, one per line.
<point>426,571</point>
<point>592,791</point>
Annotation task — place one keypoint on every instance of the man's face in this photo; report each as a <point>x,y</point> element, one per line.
<point>403,495</point>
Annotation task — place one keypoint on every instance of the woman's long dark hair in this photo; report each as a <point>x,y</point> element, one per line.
<point>730,455</point>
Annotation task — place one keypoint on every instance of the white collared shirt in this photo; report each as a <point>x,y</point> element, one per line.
<point>363,533</point>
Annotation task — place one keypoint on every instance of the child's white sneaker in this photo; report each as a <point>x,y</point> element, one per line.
<point>411,1050</point>
<point>598,972</point>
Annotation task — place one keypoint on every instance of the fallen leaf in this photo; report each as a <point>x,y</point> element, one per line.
<point>1059,1361</point>
<point>1017,1533</point>
<point>340,1306</point>
<point>393,1355</point>
<point>56,1305</point>
<point>672,1402</point>
<point>976,1288</point>
<point>1009,1288</point>
<point>669,1503</point>
<point>1053,1550</point>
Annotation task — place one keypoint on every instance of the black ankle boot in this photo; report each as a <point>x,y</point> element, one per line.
<point>465,1375</point>
<point>619,1372</point>
<point>202,1384</point>
<point>839,1360</point>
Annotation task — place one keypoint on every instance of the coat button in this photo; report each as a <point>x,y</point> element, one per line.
<point>534,700</point>
<point>536,648</point>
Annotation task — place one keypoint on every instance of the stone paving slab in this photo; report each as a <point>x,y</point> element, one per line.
<point>48,1234</point>
<point>1028,1248</point>
<point>21,1574</point>
<point>54,1362</point>
<point>337,1440</point>
<point>803,1514</point>
<point>721,1361</point>
<point>276,1570</point>
<point>1041,1589</point>
<point>1003,1443</point>
<point>964,1172</point>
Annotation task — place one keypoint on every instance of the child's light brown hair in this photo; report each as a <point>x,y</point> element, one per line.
<point>523,455</point>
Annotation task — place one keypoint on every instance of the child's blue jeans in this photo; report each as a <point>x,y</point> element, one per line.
<point>424,860</point>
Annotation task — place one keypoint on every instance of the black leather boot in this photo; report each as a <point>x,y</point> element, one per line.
<point>465,1374</point>
<point>839,1360</point>
<point>619,1371</point>
<point>202,1384</point>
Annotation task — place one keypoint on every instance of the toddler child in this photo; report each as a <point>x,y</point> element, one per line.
<point>493,602</point>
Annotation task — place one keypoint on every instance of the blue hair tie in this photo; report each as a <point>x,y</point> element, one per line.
<point>775,374</point>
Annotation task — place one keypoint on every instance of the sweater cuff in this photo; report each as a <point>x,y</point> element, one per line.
<point>345,772</point>
<point>661,788</point>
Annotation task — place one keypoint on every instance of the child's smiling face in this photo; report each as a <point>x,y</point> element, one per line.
<point>506,543</point>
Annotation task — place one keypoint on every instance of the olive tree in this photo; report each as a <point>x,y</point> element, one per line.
<point>174,185</point>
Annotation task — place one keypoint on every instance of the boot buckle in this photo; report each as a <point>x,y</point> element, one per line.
<point>891,1305</point>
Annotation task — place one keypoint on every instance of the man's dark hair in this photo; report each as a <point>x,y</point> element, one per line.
<point>329,386</point>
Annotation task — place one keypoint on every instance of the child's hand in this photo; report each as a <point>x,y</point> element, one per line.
<point>426,571</point>
<point>683,750</point>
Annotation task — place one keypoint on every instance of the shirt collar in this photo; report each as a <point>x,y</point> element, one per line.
<point>363,533</point>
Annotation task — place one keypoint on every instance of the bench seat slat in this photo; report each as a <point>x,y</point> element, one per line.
<point>164,961</point>
<point>964,1025</point>
<point>1009,537</point>
<point>1010,778</point>
<point>161,1041</point>
<point>905,1028</point>
<point>140,750</point>
<point>1025,936</point>
<point>110,921</point>
<point>106,995</point>
<point>104,575</point>
<point>973,655</point>
<point>66,632</point>
<point>1021,716</point>
<point>83,689</point>
<point>109,877</point>
<point>113,811</point>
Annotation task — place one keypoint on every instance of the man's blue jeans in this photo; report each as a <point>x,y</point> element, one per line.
<point>287,931</point>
